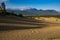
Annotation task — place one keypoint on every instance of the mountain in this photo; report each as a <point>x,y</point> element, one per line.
<point>49,12</point>
<point>34,11</point>
<point>59,11</point>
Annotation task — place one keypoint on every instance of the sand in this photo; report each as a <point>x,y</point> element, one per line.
<point>47,33</point>
<point>49,19</point>
<point>50,32</point>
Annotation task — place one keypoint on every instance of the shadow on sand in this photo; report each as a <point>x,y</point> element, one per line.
<point>6,28</point>
<point>19,20</point>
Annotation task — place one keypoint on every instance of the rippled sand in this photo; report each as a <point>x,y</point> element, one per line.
<point>50,32</point>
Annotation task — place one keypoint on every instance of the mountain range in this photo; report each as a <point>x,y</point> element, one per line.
<point>34,11</point>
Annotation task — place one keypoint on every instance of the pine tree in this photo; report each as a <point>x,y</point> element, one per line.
<point>3,8</point>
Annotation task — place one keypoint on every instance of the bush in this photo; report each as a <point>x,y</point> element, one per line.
<point>20,15</point>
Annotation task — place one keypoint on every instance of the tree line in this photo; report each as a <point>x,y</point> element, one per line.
<point>3,11</point>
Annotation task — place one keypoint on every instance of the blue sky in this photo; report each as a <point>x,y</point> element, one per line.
<point>39,4</point>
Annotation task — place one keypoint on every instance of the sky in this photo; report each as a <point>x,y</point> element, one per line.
<point>38,4</point>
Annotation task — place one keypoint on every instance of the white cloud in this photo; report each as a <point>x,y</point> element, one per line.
<point>18,7</point>
<point>3,0</point>
<point>24,8</point>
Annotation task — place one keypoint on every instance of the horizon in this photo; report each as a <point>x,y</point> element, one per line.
<point>38,4</point>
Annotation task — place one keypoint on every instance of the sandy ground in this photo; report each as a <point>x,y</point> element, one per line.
<point>47,33</point>
<point>49,19</point>
<point>50,32</point>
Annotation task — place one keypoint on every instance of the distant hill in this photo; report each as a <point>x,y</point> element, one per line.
<point>33,11</point>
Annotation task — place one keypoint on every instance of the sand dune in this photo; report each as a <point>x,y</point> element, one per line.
<point>50,19</point>
<point>47,33</point>
<point>50,30</point>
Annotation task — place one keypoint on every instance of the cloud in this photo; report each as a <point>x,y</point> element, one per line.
<point>3,0</point>
<point>24,8</point>
<point>18,7</point>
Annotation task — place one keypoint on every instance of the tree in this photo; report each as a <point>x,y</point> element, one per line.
<point>7,13</point>
<point>3,8</point>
